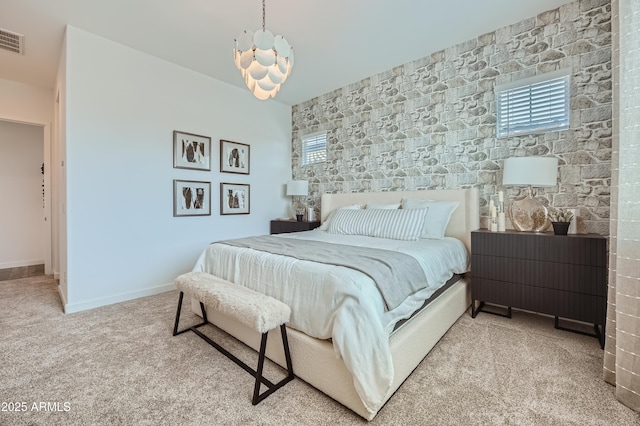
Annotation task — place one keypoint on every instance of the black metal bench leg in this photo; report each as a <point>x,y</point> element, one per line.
<point>256,389</point>
<point>287,354</point>
<point>257,397</point>
<point>260,380</point>
<point>175,325</point>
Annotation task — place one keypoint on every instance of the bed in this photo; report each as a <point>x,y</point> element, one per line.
<point>357,352</point>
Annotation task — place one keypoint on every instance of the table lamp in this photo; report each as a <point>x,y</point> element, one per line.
<point>527,213</point>
<point>297,189</point>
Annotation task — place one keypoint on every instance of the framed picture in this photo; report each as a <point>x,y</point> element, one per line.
<point>191,198</point>
<point>234,157</point>
<point>191,151</point>
<point>234,198</point>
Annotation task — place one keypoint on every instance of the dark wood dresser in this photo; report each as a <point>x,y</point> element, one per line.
<point>285,226</point>
<point>560,275</point>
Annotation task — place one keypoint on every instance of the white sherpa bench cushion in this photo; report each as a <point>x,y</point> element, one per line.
<point>255,310</point>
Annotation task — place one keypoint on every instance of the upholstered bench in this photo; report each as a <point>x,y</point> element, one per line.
<point>260,312</point>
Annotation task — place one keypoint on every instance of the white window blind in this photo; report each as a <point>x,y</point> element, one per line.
<point>314,148</point>
<point>535,105</point>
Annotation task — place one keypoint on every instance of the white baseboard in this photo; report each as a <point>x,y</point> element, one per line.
<point>122,297</point>
<point>21,263</point>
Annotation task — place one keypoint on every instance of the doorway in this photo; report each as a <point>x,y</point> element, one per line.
<point>25,225</point>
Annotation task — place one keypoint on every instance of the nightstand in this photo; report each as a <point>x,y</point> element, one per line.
<point>285,226</point>
<point>560,275</point>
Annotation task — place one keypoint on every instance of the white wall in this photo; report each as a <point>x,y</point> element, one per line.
<point>22,211</point>
<point>21,102</point>
<point>121,107</point>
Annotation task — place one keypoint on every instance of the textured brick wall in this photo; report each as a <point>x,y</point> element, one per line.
<point>430,124</point>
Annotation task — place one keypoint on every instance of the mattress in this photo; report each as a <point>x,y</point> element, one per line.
<point>450,282</point>
<point>333,302</point>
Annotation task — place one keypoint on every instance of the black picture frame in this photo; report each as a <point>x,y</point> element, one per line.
<point>234,157</point>
<point>191,151</point>
<point>191,198</point>
<point>234,198</point>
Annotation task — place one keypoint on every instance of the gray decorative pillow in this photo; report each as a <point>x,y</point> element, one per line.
<point>394,224</point>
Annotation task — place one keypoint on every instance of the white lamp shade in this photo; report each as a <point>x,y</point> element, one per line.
<point>535,171</point>
<point>297,187</point>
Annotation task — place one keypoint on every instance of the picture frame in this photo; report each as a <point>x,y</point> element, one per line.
<point>234,198</point>
<point>234,157</point>
<point>191,198</point>
<point>191,151</point>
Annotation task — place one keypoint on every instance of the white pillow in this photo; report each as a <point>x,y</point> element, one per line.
<point>325,224</point>
<point>438,215</point>
<point>394,224</point>
<point>384,206</point>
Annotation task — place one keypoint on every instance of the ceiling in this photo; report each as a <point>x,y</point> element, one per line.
<point>336,42</point>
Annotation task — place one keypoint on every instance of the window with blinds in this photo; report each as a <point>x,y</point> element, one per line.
<point>314,148</point>
<point>535,105</point>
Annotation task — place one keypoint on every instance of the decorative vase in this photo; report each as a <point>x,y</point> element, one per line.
<point>528,214</point>
<point>560,228</point>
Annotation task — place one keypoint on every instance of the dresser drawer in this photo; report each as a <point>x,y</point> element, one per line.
<point>580,307</point>
<point>561,276</point>
<point>573,249</point>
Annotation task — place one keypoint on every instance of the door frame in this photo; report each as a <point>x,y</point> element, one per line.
<point>47,222</point>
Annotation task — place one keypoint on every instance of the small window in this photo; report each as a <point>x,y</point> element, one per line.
<point>314,148</point>
<point>534,105</point>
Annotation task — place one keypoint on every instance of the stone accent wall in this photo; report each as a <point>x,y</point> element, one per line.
<point>430,123</point>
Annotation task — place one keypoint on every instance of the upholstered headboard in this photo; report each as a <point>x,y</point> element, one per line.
<point>465,218</point>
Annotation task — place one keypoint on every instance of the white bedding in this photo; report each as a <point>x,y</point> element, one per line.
<point>337,302</point>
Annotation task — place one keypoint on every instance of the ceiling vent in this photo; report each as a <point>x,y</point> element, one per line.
<point>11,41</point>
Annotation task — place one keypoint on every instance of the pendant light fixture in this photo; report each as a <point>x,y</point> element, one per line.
<point>264,60</point>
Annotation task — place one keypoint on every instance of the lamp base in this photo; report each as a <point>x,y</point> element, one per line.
<point>528,214</point>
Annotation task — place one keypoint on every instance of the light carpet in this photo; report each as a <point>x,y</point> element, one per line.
<point>119,365</point>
